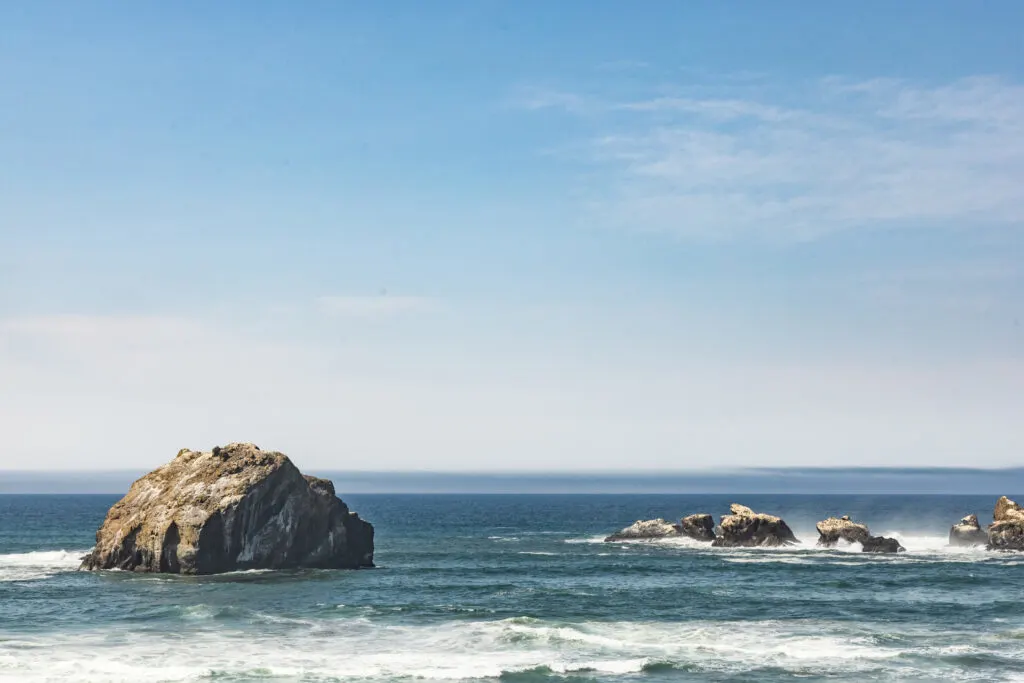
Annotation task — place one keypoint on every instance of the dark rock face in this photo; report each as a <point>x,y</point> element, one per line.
<point>746,528</point>
<point>831,530</point>
<point>228,509</point>
<point>698,527</point>
<point>1007,530</point>
<point>968,532</point>
<point>881,544</point>
<point>650,528</point>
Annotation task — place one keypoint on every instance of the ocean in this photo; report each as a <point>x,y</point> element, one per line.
<point>521,588</point>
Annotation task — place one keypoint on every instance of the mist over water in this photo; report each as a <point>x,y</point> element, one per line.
<point>522,588</point>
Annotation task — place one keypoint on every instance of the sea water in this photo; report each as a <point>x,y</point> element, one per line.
<point>522,588</point>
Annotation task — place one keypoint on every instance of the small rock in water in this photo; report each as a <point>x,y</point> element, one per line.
<point>650,528</point>
<point>698,527</point>
<point>746,528</point>
<point>881,544</point>
<point>968,532</point>
<point>834,529</point>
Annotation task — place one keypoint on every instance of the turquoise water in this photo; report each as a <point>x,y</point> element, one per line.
<point>520,588</point>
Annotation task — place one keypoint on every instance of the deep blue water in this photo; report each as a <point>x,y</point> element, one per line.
<point>520,588</point>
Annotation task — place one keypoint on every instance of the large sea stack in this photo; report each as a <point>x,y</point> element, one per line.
<point>229,509</point>
<point>744,527</point>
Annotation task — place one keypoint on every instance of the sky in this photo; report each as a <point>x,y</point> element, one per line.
<point>513,236</point>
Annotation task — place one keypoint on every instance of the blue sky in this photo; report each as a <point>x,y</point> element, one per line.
<point>513,236</point>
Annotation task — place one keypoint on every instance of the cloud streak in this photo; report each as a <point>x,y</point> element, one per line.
<point>383,305</point>
<point>750,162</point>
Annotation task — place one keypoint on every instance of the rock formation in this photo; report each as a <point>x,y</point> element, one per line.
<point>231,508</point>
<point>968,532</point>
<point>698,527</point>
<point>831,530</point>
<point>744,527</point>
<point>881,544</point>
<point>650,528</point>
<point>1007,530</point>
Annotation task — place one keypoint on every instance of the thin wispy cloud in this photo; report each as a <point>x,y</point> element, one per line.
<point>777,164</point>
<point>381,305</point>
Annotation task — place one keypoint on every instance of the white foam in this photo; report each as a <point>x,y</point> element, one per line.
<point>587,540</point>
<point>38,565</point>
<point>919,548</point>
<point>363,649</point>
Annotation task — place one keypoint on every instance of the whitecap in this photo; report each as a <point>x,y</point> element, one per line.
<point>38,565</point>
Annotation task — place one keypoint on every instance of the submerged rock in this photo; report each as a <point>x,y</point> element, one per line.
<point>744,527</point>
<point>649,528</point>
<point>231,508</point>
<point>1007,530</point>
<point>968,532</point>
<point>881,544</point>
<point>699,527</point>
<point>834,529</point>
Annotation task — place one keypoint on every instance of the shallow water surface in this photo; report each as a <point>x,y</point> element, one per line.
<point>521,588</point>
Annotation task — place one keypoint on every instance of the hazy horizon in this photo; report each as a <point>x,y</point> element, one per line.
<point>866,481</point>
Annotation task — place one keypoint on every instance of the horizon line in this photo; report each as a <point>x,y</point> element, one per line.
<point>773,469</point>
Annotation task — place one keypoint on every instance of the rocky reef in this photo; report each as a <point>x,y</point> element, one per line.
<point>700,527</point>
<point>231,508</point>
<point>746,528</point>
<point>642,529</point>
<point>834,529</point>
<point>968,532</point>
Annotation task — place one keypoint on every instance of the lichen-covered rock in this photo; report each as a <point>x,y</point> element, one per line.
<point>1007,530</point>
<point>699,527</point>
<point>747,528</point>
<point>834,529</point>
<point>881,544</point>
<point>649,528</point>
<point>968,532</point>
<point>231,508</point>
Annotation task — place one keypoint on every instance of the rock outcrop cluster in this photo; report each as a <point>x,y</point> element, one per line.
<point>232,508</point>
<point>741,528</point>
